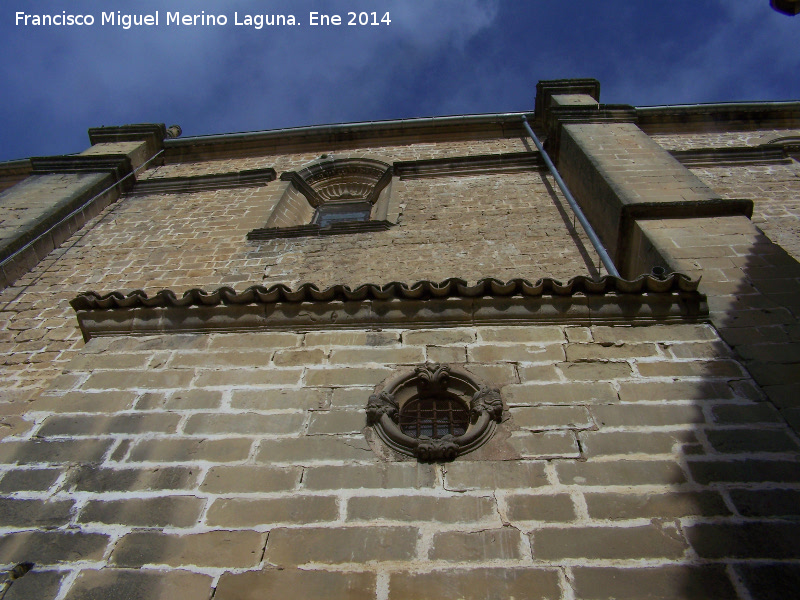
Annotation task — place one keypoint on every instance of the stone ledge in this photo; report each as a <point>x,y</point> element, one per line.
<point>201,183</point>
<point>450,303</point>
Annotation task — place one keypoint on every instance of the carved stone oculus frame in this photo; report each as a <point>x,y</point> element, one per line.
<point>434,413</point>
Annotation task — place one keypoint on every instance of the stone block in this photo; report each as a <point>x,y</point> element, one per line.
<point>537,373</point>
<point>476,584</point>
<point>220,359</point>
<point>763,540</point>
<point>674,390</point>
<point>653,506</point>
<point>539,507</point>
<point>163,511</point>
<point>295,583</point>
<point>735,414</point>
<point>300,357</point>
<point>620,472</point>
<point>767,503</point>
<point>219,549</point>
<point>488,544</point>
<point>377,476</point>
<point>123,380</point>
<point>257,341</point>
<point>406,355</point>
<point>671,582</point>
<point>462,476</point>
<point>545,444</point>
<point>314,448</point>
<point>736,441</point>
<point>244,424</point>
<point>543,334</point>
<point>345,376</point>
<point>700,368</point>
<point>540,418</point>
<point>28,480</point>
<point>559,393</point>
<point>352,338</point>
<point>92,425</point>
<point>516,353</point>
<point>36,585</point>
<point>653,333</point>
<point>770,581</point>
<point>600,443</point>
<point>137,584</point>
<point>249,479</point>
<point>600,352</point>
<point>53,451</point>
<point>245,377</point>
<point>246,512</point>
<point>650,541</point>
<point>595,371</point>
<point>189,450</point>
<point>455,509</point>
<point>446,354</point>
<point>76,402</point>
<point>340,545</point>
<point>278,399</point>
<point>746,470</point>
<point>439,337</point>
<point>20,512</point>
<point>494,375</point>
<point>51,547</point>
<point>633,415</point>
<point>91,478</point>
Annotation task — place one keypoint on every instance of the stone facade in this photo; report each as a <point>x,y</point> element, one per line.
<point>162,446</point>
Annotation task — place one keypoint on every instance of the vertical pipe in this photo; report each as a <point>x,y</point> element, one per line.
<point>587,227</point>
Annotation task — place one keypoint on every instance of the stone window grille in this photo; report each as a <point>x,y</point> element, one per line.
<point>435,413</point>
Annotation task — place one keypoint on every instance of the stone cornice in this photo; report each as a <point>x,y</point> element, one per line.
<point>470,165</point>
<point>719,157</point>
<point>200,183</point>
<point>116,164</point>
<point>452,302</point>
<point>272,233</point>
<point>704,118</point>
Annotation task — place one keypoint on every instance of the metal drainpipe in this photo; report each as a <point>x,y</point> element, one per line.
<point>587,227</point>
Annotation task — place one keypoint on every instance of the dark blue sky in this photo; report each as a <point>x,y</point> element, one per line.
<point>437,57</point>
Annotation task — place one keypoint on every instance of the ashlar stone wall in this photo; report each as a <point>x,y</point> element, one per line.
<point>180,465</point>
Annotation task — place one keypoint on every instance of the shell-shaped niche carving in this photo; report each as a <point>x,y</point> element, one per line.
<point>333,179</point>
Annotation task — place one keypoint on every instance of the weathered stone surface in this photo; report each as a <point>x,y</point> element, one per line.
<point>380,476</point>
<point>274,399</point>
<point>53,451</point>
<point>675,390</point>
<point>653,333</point>
<point>36,585</point>
<point>669,505</point>
<point>600,443</point>
<point>244,424</point>
<point>340,545</point>
<point>476,584</point>
<point>421,508</point>
<point>515,353</point>
<point>631,415</point>
<point>620,472</point>
<point>330,422</point>
<point>770,581</point>
<point>539,507</point>
<point>766,503</point>
<point>751,440</point>
<point>136,584</point>
<point>460,476</point>
<point>314,448</point>
<point>21,512</point>
<point>256,585</point>
<point>247,377</point>
<point>650,541</point>
<point>230,549</point>
<point>28,480</point>
<point>545,445</point>
<point>187,450</point>
<point>538,418</point>
<point>528,335</point>
<point>559,393</point>
<point>239,479</point>
<point>85,425</point>
<point>665,583</point>
<point>163,511</point>
<point>51,547</point>
<point>600,352</point>
<point>595,371</point>
<point>111,401</point>
<point>245,512</point>
<point>400,356</point>
<point>89,478</point>
<point>439,337</point>
<point>776,540</point>
<point>744,470</point>
<point>488,544</point>
<point>344,376</point>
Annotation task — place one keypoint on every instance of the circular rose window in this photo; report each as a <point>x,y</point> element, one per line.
<point>434,413</point>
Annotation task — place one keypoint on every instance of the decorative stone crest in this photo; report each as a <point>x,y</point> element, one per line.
<point>428,434</point>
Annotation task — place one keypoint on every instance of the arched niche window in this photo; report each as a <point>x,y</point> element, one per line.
<point>434,413</point>
<point>333,195</point>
